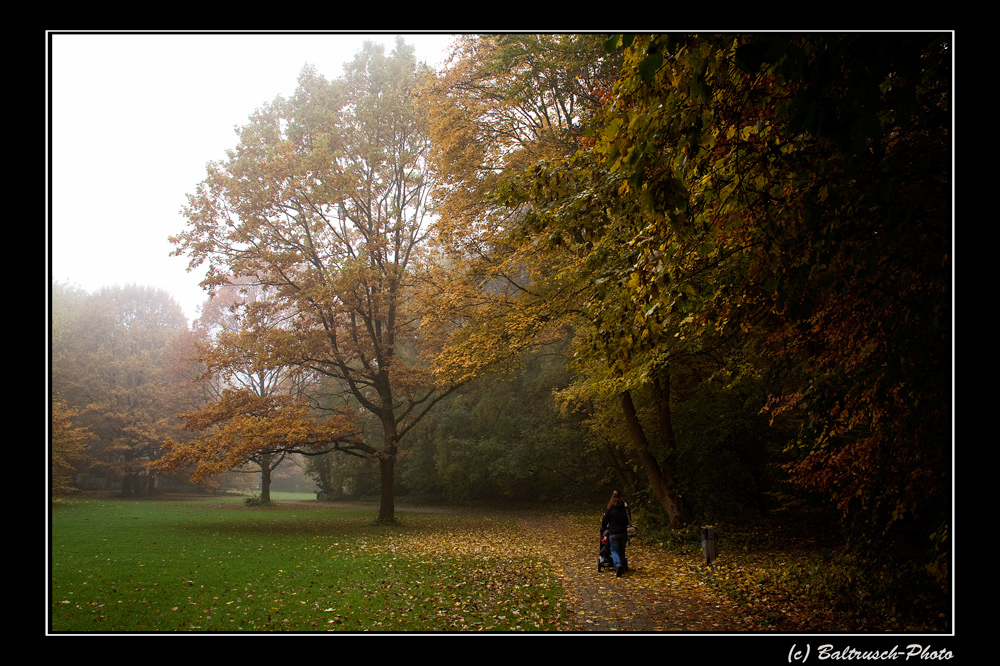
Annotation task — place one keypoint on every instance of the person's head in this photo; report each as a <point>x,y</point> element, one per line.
<point>616,498</point>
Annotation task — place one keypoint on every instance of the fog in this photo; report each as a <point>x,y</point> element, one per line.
<point>135,117</point>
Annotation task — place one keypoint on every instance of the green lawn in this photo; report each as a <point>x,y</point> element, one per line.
<point>218,566</point>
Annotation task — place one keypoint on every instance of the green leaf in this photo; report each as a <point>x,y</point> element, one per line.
<point>649,65</point>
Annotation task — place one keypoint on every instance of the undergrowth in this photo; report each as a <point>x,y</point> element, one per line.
<point>794,579</point>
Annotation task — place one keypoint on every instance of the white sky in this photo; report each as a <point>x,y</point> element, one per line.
<point>134,120</point>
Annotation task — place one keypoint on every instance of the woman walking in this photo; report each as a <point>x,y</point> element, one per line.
<point>615,522</point>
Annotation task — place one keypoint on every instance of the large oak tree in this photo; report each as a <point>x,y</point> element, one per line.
<point>323,203</point>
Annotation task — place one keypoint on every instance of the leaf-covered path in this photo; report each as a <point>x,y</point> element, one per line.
<point>658,593</point>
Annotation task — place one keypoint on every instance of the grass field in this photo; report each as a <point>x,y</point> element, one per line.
<point>215,565</point>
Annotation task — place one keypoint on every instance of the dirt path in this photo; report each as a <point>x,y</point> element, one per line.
<point>656,594</point>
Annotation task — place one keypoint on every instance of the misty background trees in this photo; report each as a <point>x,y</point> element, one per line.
<point>712,271</point>
<point>120,363</point>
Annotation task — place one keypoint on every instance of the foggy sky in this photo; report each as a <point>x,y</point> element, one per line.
<point>134,119</point>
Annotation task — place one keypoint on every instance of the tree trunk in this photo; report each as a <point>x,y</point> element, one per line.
<point>668,442</point>
<point>265,479</point>
<point>665,495</point>
<point>387,501</point>
<point>387,465</point>
<point>618,463</point>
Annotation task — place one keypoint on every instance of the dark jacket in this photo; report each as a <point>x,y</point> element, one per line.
<point>615,519</point>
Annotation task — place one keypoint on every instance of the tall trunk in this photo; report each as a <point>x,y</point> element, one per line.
<point>265,479</point>
<point>387,465</point>
<point>387,501</point>
<point>668,442</point>
<point>665,494</point>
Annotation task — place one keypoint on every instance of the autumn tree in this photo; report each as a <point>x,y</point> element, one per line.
<point>509,104</point>
<point>257,412</point>
<point>323,204</point>
<point>506,102</point>
<point>816,222</point>
<point>67,442</point>
<point>243,427</point>
<point>111,363</point>
<point>781,201</point>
